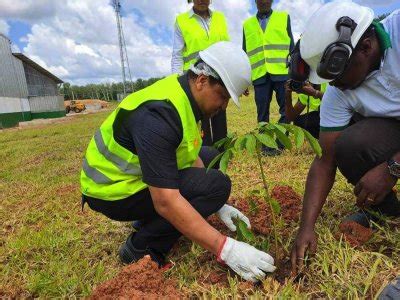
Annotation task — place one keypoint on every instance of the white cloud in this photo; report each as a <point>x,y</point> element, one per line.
<point>375,3</point>
<point>77,39</point>
<point>4,27</point>
<point>300,11</point>
<point>29,10</point>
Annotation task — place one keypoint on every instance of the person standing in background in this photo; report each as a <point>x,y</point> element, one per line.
<point>195,30</point>
<point>267,39</point>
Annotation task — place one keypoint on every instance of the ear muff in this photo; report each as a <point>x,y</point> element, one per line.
<point>336,56</point>
<point>298,68</point>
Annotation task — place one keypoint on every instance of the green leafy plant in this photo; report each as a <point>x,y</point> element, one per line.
<point>265,134</point>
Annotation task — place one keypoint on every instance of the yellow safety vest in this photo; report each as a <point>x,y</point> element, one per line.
<point>196,38</point>
<point>112,172</point>
<point>267,50</point>
<point>312,103</point>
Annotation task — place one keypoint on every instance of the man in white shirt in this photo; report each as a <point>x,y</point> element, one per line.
<point>360,113</point>
<point>194,31</point>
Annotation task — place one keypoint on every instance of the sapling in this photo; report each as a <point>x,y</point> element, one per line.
<point>265,134</point>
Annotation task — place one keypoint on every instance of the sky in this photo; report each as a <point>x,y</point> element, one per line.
<point>77,40</point>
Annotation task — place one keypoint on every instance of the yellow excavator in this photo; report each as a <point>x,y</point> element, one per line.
<point>74,106</point>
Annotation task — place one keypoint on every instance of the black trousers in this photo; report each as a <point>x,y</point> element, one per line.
<point>263,96</point>
<point>364,145</point>
<point>310,122</point>
<point>214,129</point>
<point>206,191</point>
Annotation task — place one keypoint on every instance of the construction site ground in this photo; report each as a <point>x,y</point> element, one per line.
<point>50,248</point>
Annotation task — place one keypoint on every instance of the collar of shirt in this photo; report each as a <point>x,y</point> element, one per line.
<point>184,82</point>
<point>264,15</point>
<point>192,13</point>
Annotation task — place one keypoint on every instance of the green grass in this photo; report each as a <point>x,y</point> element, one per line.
<point>49,248</point>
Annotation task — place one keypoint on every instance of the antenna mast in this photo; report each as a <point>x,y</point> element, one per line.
<point>122,48</point>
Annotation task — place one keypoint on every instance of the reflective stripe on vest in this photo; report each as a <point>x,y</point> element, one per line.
<point>312,103</point>
<point>267,50</point>
<point>196,38</point>
<point>112,172</point>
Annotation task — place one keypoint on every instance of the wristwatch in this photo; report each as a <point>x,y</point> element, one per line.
<point>394,168</point>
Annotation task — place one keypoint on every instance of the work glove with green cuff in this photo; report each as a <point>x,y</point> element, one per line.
<point>227,213</point>
<point>248,262</point>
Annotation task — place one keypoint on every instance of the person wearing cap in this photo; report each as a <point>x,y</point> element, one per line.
<point>146,162</point>
<point>360,113</point>
<point>305,113</point>
<point>267,39</point>
<point>194,31</point>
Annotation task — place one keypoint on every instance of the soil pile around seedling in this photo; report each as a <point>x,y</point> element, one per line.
<point>261,219</point>
<point>141,280</point>
<point>355,234</point>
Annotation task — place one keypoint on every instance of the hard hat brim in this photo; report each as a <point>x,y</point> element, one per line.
<point>315,79</point>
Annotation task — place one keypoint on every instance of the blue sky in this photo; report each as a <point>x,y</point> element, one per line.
<point>77,40</point>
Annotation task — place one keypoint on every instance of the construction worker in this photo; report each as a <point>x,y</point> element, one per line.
<point>360,127</point>
<point>267,39</point>
<point>309,100</point>
<point>146,162</point>
<point>194,31</point>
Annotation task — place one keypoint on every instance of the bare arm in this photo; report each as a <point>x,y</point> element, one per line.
<point>319,183</point>
<point>172,206</point>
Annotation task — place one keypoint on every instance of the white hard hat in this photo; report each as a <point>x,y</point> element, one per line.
<point>231,64</point>
<point>321,31</point>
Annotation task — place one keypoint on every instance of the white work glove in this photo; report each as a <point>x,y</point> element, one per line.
<point>227,213</point>
<point>248,262</point>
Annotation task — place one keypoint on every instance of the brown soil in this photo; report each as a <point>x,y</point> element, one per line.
<point>261,223</point>
<point>355,234</point>
<point>141,280</point>
<point>261,219</point>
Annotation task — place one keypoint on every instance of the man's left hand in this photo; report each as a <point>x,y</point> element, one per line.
<point>227,213</point>
<point>374,186</point>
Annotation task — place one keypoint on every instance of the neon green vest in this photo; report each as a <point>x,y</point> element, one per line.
<point>110,171</point>
<point>312,103</point>
<point>196,38</point>
<point>267,50</point>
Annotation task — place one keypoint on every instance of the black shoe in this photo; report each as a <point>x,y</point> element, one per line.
<point>391,291</point>
<point>363,218</point>
<point>129,254</point>
<point>137,224</point>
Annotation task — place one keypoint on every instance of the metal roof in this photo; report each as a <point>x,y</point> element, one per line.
<point>39,68</point>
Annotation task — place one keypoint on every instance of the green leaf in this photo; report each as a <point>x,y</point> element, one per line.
<point>214,161</point>
<point>262,124</point>
<point>223,165</point>
<point>265,245</point>
<point>221,142</point>
<point>243,233</point>
<point>283,138</point>
<point>298,136</point>
<point>240,143</point>
<point>275,206</point>
<point>251,143</point>
<point>313,143</point>
<point>253,207</point>
<point>267,140</point>
<point>280,127</point>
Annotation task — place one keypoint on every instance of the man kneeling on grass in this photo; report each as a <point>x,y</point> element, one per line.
<point>146,163</point>
<point>360,113</point>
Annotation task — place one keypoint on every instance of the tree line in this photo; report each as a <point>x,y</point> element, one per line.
<point>103,91</point>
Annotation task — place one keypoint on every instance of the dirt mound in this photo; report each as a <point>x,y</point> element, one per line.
<point>353,233</point>
<point>141,280</point>
<point>261,219</point>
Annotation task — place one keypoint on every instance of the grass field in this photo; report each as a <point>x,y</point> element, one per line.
<point>49,248</point>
